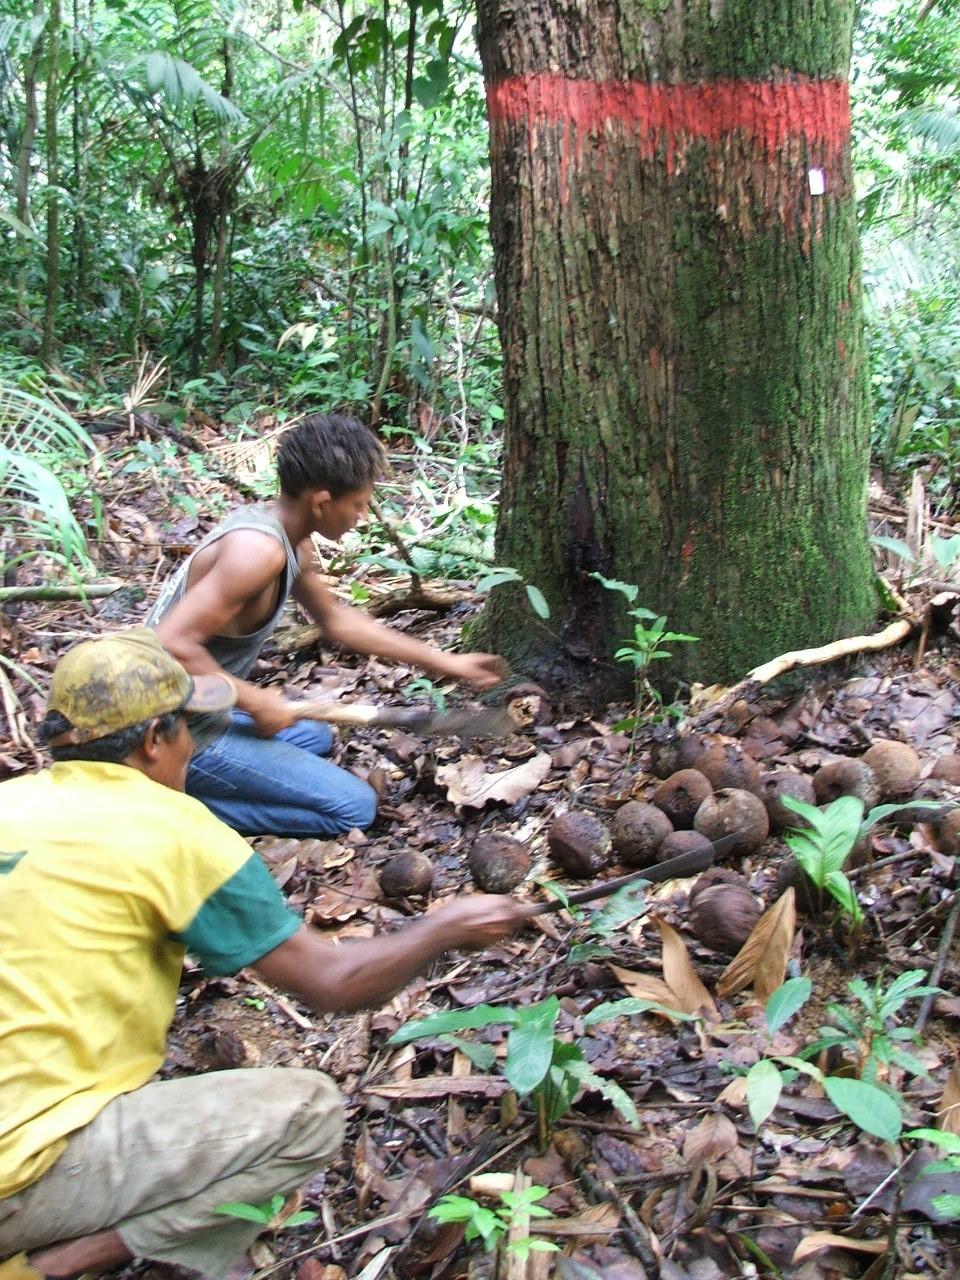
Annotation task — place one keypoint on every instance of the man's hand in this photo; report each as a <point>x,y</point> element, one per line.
<point>362,973</point>
<point>480,919</point>
<point>270,711</point>
<point>482,670</point>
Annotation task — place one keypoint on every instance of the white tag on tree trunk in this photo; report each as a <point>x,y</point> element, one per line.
<point>818,181</point>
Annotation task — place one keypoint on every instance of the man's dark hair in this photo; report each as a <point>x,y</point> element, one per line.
<point>328,451</point>
<point>112,749</point>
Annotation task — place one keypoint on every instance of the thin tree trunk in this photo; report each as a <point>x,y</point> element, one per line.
<point>679,310</point>
<point>81,131</point>
<point>49,344</point>
<point>224,202</point>
<point>25,153</point>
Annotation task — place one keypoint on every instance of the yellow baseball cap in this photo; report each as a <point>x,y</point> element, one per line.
<point>105,685</point>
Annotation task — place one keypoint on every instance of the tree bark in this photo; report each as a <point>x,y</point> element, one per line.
<point>49,343</point>
<point>25,154</point>
<point>679,309</point>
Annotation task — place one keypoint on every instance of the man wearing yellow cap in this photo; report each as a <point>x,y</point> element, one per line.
<point>108,874</point>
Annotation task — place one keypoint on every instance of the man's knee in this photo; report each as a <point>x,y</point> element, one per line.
<point>315,1126</point>
<point>360,807</point>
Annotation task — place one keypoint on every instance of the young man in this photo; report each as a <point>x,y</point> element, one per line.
<point>108,872</point>
<point>263,773</point>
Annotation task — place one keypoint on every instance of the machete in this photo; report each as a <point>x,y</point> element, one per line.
<point>490,722</point>
<point>685,864</point>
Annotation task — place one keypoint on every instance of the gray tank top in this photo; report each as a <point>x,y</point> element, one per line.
<point>236,654</point>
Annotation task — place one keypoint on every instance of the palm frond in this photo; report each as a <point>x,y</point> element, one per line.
<point>181,84</point>
<point>30,424</point>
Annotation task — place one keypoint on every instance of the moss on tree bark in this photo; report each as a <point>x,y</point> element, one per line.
<point>685,377</point>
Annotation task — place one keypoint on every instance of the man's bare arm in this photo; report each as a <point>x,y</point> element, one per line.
<point>356,630</point>
<point>363,974</point>
<point>247,564</point>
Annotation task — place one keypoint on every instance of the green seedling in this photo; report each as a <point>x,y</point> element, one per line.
<point>538,1064</point>
<point>646,646</point>
<point>948,1204</point>
<point>500,575</point>
<point>424,687</point>
<point>824,844</point>
<point>491,1225</point>
<point>946,551</point>
<point>623,906</point>
<point>869,1033</point>
<point>269,1215</point>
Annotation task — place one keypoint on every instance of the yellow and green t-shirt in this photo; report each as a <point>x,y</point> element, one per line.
<point>106,878</point>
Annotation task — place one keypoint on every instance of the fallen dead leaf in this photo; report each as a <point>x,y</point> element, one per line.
<point>440,1087</point>
<point>597,1220</point>
<point>468,784</point>
<point>680,975</point>
<point>643,986</point>
<point>763,958</point>
<point>713,1137</point>
<point>828,1240</point>
<point>948,1113</point>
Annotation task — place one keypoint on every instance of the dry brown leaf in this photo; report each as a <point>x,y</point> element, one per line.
<point>735,1094</point>
<point>713,1137</point>
<point>828,1240</point>
<point>440,1087</point>
<point>763,958</point>
<point>467,782</point>
<point>597,1220</point>
<point>680,975</point>
<point>644,986</point>
<point>948,1113</point>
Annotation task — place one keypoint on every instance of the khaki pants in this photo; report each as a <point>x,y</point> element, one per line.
<point>155,1164</point>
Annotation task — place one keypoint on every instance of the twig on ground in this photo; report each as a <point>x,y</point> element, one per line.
<point>936,973</point>
<point>91,591</point>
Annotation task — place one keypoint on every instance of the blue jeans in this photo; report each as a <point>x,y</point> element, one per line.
<point>279,786</point>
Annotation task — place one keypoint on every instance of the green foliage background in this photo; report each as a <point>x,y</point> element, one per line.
<point>287,203</point>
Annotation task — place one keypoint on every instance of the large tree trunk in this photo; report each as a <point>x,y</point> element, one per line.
<point>681,326</point>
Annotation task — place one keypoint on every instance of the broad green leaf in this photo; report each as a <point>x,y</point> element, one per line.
<point>787,1000</point>
<point>622,907</point>
<point>840,888</point>
<point>481,1055</point>
<point>21,228</point>
<point>300,1219</point>
<point>538,602</point>
<point>870,1108</point>
<point>764,1086</point>
<point>628,1006</point>
<point>882,811</point>
<point>497,578</point>
<point>248,1212</point>
<point>582,1072</point>
<point>948,1205</point>
<point>481,1015</point>
<point>530,1046</point>
<point>628,589</point>
<point>946,550</point>
<point>896,545</point>
<point>949,1142</point>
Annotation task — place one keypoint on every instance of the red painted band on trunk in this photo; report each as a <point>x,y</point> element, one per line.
<point>816,110</point>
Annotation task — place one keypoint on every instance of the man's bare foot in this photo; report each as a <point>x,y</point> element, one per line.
<point>100,1252</point>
